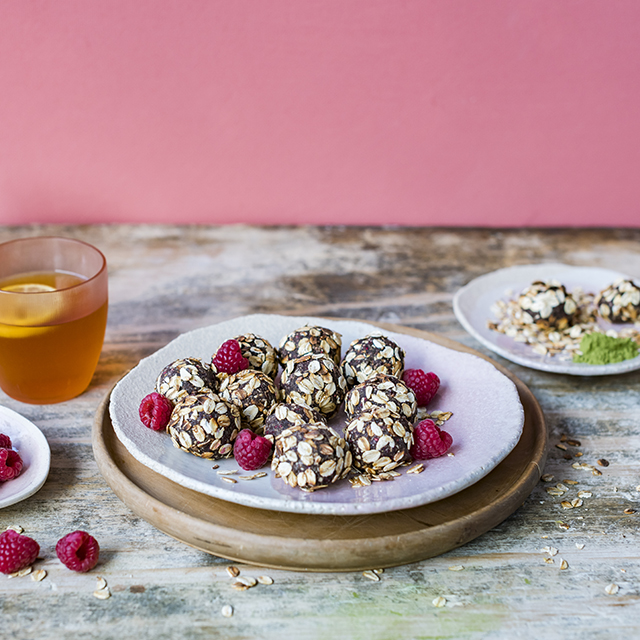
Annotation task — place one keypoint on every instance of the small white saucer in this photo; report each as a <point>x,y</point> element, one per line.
<point>472,306</point>
<point>34,450</point>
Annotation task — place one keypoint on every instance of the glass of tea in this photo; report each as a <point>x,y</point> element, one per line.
<point>53,314</point>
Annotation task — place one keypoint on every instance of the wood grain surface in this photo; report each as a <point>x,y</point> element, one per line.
<point>168,280</point>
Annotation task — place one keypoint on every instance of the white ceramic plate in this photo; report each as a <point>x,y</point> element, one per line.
<point>486,425</point>
<point>34,450</point>
<point>472,306</point>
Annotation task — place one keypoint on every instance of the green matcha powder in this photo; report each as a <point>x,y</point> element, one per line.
<point>598,348</point>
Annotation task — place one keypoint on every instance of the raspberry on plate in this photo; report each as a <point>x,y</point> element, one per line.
<point>229,359</point>
<point>78,551</point>
<point>424,385</point>
<point>250,450</point>
<point>5,441</point>
<point>429,441</point>
<point>155,411</point>
<point>10,464</point>
<point>16,551</point>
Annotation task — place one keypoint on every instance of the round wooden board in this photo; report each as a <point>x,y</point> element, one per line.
<point>328,543</point>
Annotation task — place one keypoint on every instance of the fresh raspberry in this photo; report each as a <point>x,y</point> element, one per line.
<point>155,411</point>
<point>424,385</point>
<point>16,551</point>
<point>429,441</point>
<point>229,359</point>
<point>78,551</point>
<point>250,450</point>
<point>10,464</point>
<point>5,441</point>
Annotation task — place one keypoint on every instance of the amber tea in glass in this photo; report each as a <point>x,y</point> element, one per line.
<point>53,314</point>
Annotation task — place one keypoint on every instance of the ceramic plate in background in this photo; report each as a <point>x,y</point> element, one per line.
<point>472,306</point>
<point>487,423</point>
<point>34,450</point>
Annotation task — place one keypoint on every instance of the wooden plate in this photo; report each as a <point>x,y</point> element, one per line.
<point>328,543</point>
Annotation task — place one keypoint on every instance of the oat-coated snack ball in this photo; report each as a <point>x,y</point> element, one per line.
<point>259,353</point>
<point>284,416</point>
<point>310,456</point>
<point>382,392</point>
<point>310,339</point>
<point>204,425</point>
<point>314,380</point>
<point>379,440</point>
<point>619,302</point>
<point>372,354</point>
<point>548,305</point>
<point>253,393</point>
<point>184,377</point>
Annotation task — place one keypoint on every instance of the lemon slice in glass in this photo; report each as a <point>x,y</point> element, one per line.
<point>13,331</point>
<point>29,287</point>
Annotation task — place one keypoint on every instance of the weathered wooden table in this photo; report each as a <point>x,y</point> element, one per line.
<point>168,280</point>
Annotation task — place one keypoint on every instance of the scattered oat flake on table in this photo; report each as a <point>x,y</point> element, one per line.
<point>102,594</point>
<point>570,481</point>
<point>371,575</point>
<point>603,463</point>
<point>457,567</point>
<point>579,545</point>
<point>15,527</point>
<point>265,579</point>
<point>549,561</point>
<point>584,494</point>
<point>101,583</point>
<point>629,512</point>
<point>439,601</point>
<point>552,551</point>
<point>419,468</point>
<point>39,575</point>
<point>227,611</point>
<point>563,525</point>
<point>547,477</point>
<point>247,581</point>
<point>611,589</point>
<point>564,564</point>
<point>233,571</point>
<point>228,480</point>
<point>565,504</point>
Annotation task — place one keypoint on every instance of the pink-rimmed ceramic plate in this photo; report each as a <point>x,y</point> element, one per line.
<point>487,423</point>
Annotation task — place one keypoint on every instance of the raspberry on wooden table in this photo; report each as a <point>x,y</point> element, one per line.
<point>17,551</point>
<point>155,411</point>
<point>229,359</point>
<point>424,385</point>
<point>429,441</point>
<point>78,551</point>
<point>5,441</point>
<point>250,450</point>
<point>10,464</point>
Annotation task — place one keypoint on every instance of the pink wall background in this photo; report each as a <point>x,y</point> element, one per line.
<point>426,112</point>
